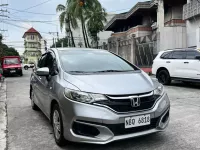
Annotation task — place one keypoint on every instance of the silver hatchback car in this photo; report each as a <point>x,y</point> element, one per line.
<point>94,96</point>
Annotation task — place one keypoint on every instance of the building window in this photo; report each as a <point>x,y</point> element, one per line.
<point>32,37</point>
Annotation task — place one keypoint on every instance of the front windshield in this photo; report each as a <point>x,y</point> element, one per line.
<point>11,61</point>
<point>88,61</point>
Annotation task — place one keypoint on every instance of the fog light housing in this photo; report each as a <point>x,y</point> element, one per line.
<point>85,130</point>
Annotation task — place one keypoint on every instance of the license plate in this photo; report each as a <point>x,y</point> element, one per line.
<point>12,71</point>
<point>137,121</point>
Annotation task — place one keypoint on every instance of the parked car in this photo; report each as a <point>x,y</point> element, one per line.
<point>94,96</point>
<point>27,66</point>
<point>11,65</point>
<point>177,64</point>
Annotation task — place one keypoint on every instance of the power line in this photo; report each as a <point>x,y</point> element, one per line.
<point>22,27</point>
<point>29,12</point>
<point>41,21</point>
<point>35,6</point>
<point>32,21</point>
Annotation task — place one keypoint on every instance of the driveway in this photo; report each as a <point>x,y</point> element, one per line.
<point>30,130</point>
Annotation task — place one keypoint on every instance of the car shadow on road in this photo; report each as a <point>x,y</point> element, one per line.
<point>185,85</point>
<point>134,143</point>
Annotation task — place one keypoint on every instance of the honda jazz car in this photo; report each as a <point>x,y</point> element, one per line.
<point>94,96</point>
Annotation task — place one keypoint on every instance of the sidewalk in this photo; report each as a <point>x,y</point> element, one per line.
<point>147,70</point>
<point>3,117</point>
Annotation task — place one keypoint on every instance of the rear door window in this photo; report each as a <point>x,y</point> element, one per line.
<point>179,55</point>
<point>191,54</point>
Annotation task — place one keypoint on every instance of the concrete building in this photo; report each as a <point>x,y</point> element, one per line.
<point>160,19</point>
<point>191,14</point>
<point>32,44</point>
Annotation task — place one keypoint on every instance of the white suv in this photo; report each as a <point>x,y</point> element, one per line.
<point>177,64</point>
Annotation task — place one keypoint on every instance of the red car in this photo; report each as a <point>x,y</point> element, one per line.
<point>11,65</point>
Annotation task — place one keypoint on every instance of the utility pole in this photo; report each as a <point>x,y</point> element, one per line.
<point>2,15</point>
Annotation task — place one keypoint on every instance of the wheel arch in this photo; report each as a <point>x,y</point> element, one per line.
<point>30,92</point>
<point>53,102</point>
<point>161,68</point>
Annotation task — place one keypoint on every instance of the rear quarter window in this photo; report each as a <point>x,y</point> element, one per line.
<point>166,55</point>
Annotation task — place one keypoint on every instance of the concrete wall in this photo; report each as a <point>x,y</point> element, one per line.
<point>146,20</point>
<point>175,12</point>
<point>172,37</point>
<point>193,32</point>
<point>168,15</point>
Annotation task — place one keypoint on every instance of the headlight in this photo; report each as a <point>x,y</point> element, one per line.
<point>159,91</point>
<point>83,96</point>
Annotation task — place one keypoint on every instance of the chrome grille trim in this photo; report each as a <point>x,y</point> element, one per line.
<point>128,97</point>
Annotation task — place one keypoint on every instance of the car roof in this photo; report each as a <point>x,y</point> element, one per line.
<point>182,49</point>
<point>76,49</point>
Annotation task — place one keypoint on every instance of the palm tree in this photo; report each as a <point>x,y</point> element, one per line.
<point>68,19</point>
<point>78,8</point>
<point>95,24</point>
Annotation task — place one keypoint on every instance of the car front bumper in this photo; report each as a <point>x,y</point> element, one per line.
<point>110,125</point>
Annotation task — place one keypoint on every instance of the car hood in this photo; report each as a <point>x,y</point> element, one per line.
<point>113,83</point>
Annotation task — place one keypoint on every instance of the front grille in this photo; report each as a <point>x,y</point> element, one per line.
<point>119,129</point>
<point>124,104</point>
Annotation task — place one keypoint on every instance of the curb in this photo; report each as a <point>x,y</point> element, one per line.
<point>3,117</point>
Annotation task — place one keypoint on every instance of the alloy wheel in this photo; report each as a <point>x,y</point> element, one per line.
<point>56,124</point>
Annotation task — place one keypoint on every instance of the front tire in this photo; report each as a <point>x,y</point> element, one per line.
<point>58,126</point>
<point>21,74</point>
<point>164,77</point>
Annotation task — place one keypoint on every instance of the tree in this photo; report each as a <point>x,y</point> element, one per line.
<point>68,19</point>
<point>78,8</point>
<point>95,24</point>
<point>5,50</point>
<point>61,43</point>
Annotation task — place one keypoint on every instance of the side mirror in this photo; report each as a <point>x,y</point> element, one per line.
<point>43,71</point>
<point>197,57</point>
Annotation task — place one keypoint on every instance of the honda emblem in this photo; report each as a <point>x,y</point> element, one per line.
<point>135,102</point>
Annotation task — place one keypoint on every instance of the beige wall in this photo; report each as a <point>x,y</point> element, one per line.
<point>173,37</point>
<point>175,12</point>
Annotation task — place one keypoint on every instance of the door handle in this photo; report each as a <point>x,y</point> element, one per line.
<point>168,62</point>
<point>186,62</point>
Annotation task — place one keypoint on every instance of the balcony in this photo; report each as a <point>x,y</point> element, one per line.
<point>138,31</point>
<point>191,9</point>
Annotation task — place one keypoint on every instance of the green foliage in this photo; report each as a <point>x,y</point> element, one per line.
<point>89,12</point>
<point>60,41</point>
<point>7,51</point>
<point>95,24</point>
<point>67,19</point>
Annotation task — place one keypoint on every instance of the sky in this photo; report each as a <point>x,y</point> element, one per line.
<point>21,13</point>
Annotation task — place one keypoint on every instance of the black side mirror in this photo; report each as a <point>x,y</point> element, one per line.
<point>197,57</point>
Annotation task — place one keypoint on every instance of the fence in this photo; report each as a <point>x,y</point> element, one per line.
<point>139,51</point>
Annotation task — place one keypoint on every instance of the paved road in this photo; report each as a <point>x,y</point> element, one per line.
<point>30,130</point>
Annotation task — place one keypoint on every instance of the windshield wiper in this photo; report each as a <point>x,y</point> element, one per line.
<point>77,72</point>
<point>113,71</point>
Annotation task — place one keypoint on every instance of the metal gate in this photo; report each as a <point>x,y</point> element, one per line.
<point>144,54</point>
